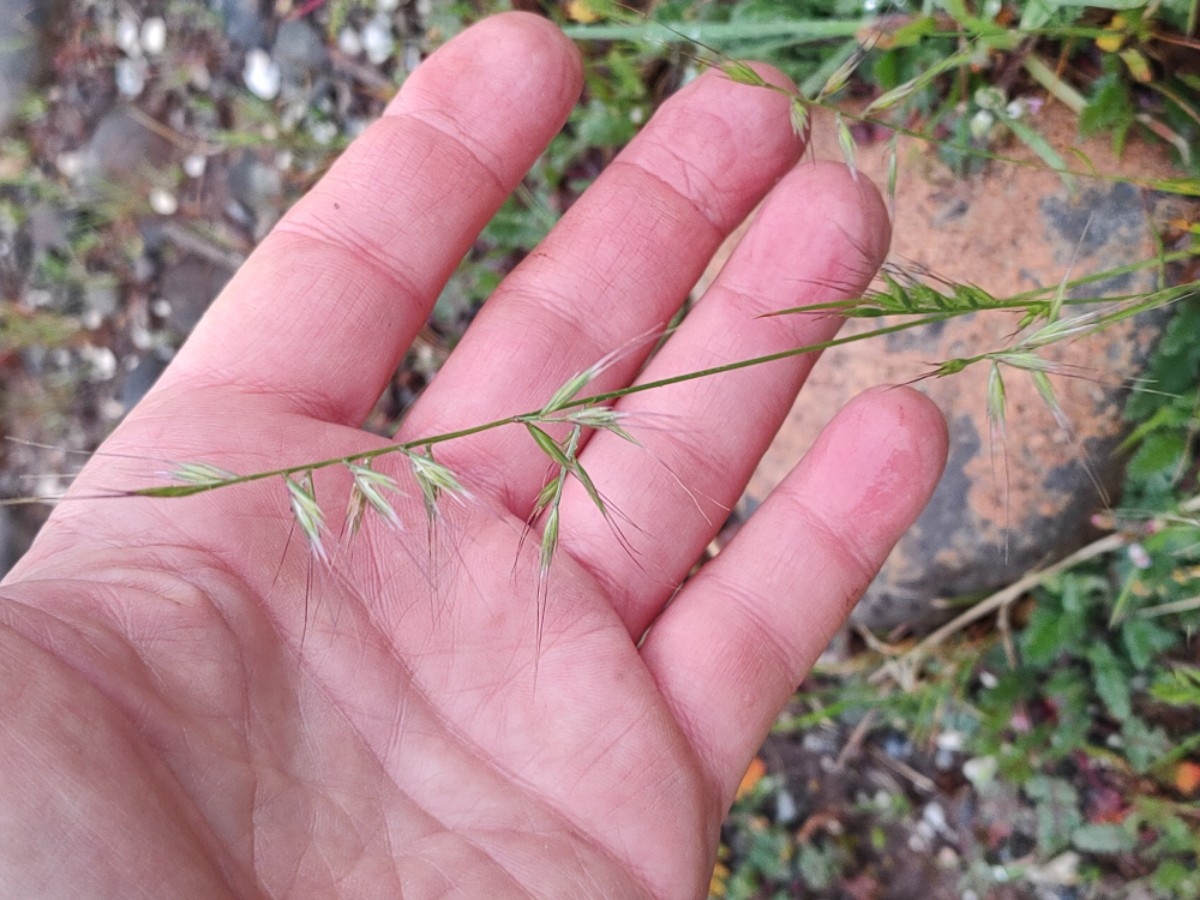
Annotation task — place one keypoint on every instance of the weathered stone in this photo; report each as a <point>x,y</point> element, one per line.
<point>1001,509</point>
<point>124,153</point>
<point>300,52</point>
<point>245,25</point>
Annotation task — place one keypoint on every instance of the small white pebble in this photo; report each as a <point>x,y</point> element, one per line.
<point>386,5</point>
<point>36,298</point>
<point>161,308</point>
<point>935,816</point>
<point>378,41</point>
<point>127,36</point>
<point>950,741</point>
<point>154,35</point>
<point>262,75</point>
<point>194,165</point>
<point>141,337</point>
<point>130,76</point>
<point>785,807</point>
<point>284,160</point>
<point>111,409</point>
<point>323,132</point>
<point>103,362</point>
<point>988,679</point>
<point>980,770</point>
<point>163,201</point>
<point>91,319</point>
<point>349,42</point>
<point>69,164</point>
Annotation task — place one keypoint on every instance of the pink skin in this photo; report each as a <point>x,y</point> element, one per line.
<point>193,708</point>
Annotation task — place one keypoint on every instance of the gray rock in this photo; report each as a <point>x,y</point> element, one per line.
<point>245,24</point>
<point>1001,510</point>
<point>257,189</point>
<point>122,151</point>
<point>300,52</point>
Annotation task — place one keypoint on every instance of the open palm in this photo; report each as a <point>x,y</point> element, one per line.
<point>196,705</point>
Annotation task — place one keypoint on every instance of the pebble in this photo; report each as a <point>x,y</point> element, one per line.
<point>154,36</point>
<point>299,52</point>
<point>262,75</point>
<point>786,810</point>
<point>126,36</point>
<point>130,74</point>
<point>980,770</point>
<point>194,165</point>
<point>163,201</point>
<point>378,40</point>
<point>349,42</point>
<point>244,25</point>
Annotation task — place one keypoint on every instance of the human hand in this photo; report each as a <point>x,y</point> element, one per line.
<point>194,706</point>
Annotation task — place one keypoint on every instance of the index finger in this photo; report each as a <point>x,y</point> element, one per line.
<point>322,312</point>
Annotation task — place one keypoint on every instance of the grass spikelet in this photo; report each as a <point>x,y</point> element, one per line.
<point>549,446</point>
<point>569,391</point>
<point>996,402</point>
<point>202,474</point>
<point>736,70</point>
<point>841,75</point>
<point>549,546</point>
<point>368,491</point>
<point>846,143</point>
<point>601,418</point>
<point>1046,391</point>
<point>798,115</point>
<point>307,512</point>
<point>434,480</point>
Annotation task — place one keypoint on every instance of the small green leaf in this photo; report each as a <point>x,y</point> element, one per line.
<point>1144,640</point>
<point>1144,745</point>
<point>1161,454</point>
<point>1111,680</point>
<point>1057,811</point>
